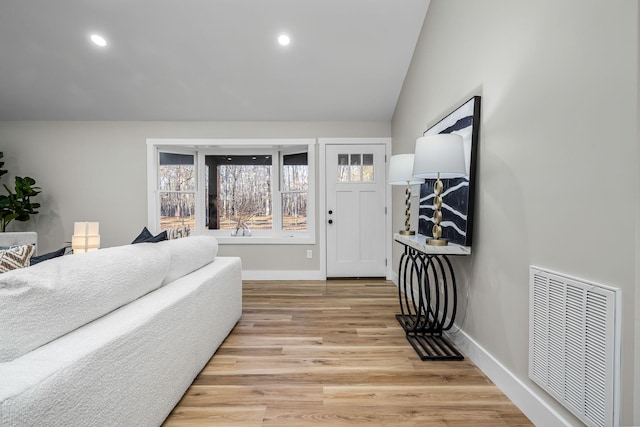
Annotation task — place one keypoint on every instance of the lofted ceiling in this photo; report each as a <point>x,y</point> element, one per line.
<point>205,59</point>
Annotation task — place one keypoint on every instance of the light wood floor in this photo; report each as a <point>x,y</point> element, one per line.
<point>332,354</point>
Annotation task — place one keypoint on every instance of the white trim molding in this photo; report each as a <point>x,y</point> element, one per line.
<point>283,275</point>
<point>525,398</point>
<point>322,188</point>
<point>199,149</point>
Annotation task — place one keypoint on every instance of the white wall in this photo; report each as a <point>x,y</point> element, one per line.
<point>558,159</point>
<point>96,171</point>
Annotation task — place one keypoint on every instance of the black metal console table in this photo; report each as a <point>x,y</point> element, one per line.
<point>428,297</point>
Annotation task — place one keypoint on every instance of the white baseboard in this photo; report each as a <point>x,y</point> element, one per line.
<point>526,399</point>
<point>393,276</point>
<point>294,275</point>
<point>283,275</point>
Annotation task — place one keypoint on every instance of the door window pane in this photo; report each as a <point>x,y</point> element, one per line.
<point>367,167</point>
<point>343,168</point>
<point>355,168</point>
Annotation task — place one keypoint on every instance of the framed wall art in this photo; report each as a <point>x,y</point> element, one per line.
<point>458,196</point>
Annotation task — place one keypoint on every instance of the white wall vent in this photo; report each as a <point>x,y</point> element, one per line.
<point>574,344</point>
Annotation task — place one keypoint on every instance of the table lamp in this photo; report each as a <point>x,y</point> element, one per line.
<point>439,156</point>
<point>401,173</point>
<point>85,237</point>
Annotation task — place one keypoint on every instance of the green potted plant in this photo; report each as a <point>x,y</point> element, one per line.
<point>17,204</point>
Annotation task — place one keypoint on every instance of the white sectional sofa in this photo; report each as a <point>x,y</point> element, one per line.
<point>113,337</point>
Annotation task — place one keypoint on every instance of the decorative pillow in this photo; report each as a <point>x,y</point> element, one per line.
<point>178,232</point>
<point>189,254</point>
<point>50,255</point>
<point>15,257</point>
<point>145,236</point>
<point>158,237</point>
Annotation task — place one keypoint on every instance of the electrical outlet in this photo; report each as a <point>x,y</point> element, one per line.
<point>309,253</point>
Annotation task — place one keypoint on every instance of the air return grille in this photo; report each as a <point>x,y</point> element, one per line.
<point>574,344</point>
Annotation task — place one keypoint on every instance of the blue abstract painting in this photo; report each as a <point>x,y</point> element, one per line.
<point>458,196</point>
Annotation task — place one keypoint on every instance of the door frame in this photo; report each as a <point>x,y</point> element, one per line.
<point>322,202</point>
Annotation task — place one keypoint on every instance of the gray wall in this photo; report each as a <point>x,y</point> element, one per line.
<point>557,173</point>
<point>558,160</point>
<point>97,171</point>
<point>637,309</point>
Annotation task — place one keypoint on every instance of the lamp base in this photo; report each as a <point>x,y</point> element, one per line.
<point>438,242</point>
<point>407,233</point>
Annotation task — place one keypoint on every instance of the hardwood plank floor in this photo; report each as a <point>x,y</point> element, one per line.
<point>332,353</point>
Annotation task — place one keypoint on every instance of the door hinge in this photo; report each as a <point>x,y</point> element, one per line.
<point>385,262</point>
<point>385,210</point>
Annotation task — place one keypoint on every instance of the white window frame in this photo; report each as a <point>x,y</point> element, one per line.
<point>202,147</point>
<point>175,150</point>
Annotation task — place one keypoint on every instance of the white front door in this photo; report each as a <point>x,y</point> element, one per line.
<point>355,179</point>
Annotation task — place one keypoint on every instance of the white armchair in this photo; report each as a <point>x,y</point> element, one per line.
<point>8,239</point>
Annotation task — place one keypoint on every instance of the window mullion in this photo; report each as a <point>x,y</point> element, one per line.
<point>200,192</point>
<point>276,193</point>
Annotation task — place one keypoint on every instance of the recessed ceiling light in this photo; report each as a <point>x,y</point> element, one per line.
<point>284,40</point>
<point>99,40</point>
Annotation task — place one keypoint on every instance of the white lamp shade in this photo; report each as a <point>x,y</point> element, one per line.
<point>401,170</point>
<point>85,237</point>
<point>86,228</point>
<point>442,153</point>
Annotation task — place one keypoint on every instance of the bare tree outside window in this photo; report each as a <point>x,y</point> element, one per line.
<point>177,190</point>
<point>243,193</point>
<point>244,197</point>
<point>295,185</point>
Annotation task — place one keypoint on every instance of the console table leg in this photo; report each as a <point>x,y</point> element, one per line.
<point>425,282</point>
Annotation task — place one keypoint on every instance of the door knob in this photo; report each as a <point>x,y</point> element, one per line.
<point>330,221</point>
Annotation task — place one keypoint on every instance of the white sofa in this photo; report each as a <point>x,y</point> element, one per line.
<point>113,337</point>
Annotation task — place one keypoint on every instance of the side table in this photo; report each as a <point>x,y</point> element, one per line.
<point>427,296</point>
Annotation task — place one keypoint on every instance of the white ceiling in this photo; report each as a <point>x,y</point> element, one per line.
<point>205,59</point>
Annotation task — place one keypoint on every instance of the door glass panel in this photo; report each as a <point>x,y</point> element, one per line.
<point>343,168</point>
<point>355,168</point>
<point>367,167</point>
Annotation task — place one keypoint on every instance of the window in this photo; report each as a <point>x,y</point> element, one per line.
<point>294,188</point>
<point>264,190</point>
<point>239,192</point>
<point>177,190</point>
